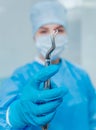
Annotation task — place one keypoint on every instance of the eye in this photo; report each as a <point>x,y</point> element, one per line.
<point>43,32</point>
<point>61,30</point>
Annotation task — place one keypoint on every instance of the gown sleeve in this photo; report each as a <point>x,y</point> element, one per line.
<point>10,90</point>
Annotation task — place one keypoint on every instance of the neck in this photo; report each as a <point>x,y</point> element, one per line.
<point>52,62</point>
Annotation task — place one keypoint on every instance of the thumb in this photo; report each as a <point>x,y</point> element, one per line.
<point>45,74</point>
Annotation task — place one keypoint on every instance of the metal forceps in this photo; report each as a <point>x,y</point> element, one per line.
<point>47,84</point>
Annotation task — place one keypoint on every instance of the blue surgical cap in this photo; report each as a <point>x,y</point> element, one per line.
<point>48,12</point>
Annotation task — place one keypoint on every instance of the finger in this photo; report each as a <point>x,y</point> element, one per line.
<point>49,95</point>
<point>43,120</point>
<point>43,109</point>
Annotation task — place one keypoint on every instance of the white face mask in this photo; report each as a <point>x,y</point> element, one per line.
<point>43,44</point>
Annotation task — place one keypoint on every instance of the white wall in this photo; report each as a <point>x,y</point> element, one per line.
<point>88,52</point>
<point>16,47</point>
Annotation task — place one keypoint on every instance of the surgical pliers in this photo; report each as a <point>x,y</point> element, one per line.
<point>47,84</point>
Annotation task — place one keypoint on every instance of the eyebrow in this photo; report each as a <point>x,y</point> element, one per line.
<point>59,27</point>
<point>43,28</point>
<point>55,27</point>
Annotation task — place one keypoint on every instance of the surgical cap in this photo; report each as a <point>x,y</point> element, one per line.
<point>48,12</point>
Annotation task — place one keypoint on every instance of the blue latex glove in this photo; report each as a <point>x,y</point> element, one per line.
<point>36,105</point>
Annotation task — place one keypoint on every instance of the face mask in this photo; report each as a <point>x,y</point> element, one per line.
<point>43,44</point>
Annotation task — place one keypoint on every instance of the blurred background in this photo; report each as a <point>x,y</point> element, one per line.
<point>17,47</point>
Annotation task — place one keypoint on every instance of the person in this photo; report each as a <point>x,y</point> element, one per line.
<point>70,103</point>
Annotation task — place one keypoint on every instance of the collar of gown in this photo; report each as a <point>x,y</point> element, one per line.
<point>37,59</point>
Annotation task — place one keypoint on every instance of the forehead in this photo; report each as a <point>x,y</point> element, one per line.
<point>51,26</point>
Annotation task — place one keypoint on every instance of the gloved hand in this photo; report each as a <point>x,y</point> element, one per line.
<point>36,105</point>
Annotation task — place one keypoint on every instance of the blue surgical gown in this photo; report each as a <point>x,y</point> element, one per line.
<point>78,110</point>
